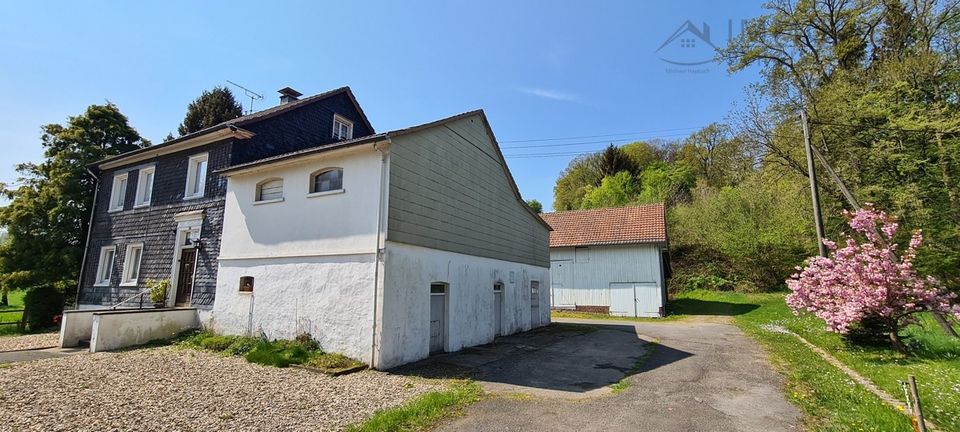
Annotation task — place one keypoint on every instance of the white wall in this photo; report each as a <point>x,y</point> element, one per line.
<point>120,329</point>
<point>298,225</point>
<point>591,270</point>
<point>312,258</point>
<point>330,297</point>
<point>404,307</point>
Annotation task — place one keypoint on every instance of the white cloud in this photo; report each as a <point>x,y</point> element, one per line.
<point>550,94</point>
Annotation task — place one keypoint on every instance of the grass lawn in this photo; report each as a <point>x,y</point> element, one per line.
<point>424,411</point>
<point>831,401</point>
<point>15,298</point>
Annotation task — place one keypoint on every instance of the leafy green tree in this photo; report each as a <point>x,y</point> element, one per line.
<point>716,157</point>
<point>47,217</point>
<point>535,205</point>
<point>573,182</point>
<point>666,183</point>
<point>613,160</point>
<point>614,191</point>
<point>211,108</point>
<point>642,153</point>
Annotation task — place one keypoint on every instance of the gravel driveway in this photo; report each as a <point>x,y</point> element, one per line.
<point>179,389</point>
<point>42,340</point>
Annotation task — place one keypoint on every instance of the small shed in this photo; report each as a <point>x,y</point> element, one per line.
<point>611,260</point>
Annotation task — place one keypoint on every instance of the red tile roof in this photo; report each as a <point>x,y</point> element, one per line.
<point>643,224</point>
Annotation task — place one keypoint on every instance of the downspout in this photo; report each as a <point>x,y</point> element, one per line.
<point>86,244</point>
<point>377,256</point>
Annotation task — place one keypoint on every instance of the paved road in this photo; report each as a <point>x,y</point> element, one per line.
<point>702,376</point>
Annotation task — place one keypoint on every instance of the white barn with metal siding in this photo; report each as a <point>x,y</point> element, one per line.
<point>609,260</point>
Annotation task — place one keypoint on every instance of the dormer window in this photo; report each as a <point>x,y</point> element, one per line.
<point>342,128</point>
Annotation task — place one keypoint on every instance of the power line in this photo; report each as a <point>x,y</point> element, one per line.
<point>595,142</point>
<point>598,136</point>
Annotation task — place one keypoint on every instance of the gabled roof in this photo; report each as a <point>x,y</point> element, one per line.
<point>392,134</point>
<point>608,226</point>
<point>234,124</point>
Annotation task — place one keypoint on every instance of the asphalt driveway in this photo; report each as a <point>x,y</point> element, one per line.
<point>699,376</point>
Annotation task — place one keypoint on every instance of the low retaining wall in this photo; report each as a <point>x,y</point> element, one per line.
<point>123,328</point>
<point>76,325</point>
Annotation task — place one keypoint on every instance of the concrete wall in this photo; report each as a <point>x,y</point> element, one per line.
<point>451,190</point>
<point>77,325</point>
<point>588,272</point>
<point>330,297</point>
<point>123,328</point>
<point>404,306</point>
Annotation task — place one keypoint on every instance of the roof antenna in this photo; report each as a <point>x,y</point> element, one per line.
<point>249,93</point>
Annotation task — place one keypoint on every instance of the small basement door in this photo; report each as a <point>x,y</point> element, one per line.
<point>438,315</point>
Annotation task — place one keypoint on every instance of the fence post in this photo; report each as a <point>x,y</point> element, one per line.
<point>917,409</point>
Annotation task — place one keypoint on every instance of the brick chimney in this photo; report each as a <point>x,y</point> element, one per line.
<point>288,95</point>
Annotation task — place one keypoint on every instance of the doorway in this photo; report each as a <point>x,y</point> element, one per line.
<point>498,309</point>
<point>534,304</point>
<point>188,265</point>
<point>438,317</point>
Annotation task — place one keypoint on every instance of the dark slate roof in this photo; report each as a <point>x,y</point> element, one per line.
<point>250,118</point>
<point>608,226</point>
<point>306,151</point>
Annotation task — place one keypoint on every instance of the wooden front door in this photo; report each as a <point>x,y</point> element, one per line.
<point>188,262</point>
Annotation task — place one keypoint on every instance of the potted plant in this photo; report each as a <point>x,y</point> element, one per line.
<point>158,291</point>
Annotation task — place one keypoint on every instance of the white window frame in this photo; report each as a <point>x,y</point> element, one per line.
<point>145,190</point>
<point>258,198</point>
<point>336,130</point>
<point>313,181</point>
<point>118,194</point>
<point>127,278</point>
<point>192,176</point>
<point>103,265</point>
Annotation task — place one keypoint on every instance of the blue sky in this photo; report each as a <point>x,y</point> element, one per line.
<point>540,69</point>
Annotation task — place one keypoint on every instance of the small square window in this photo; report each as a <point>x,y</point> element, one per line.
<point>438,289</point>
<point>246,283</point>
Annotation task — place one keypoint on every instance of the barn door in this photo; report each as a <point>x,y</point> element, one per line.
<point>438,315</point>
<point>648,299</point>
<point>623,300</point>
<point>560,284</point>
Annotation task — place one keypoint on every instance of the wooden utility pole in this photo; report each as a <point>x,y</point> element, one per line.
<point>917,409</point>
<point>814,193</point>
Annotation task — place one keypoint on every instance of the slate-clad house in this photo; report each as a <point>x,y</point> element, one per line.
<point>387,247</point>
<point>159,210</point>
<point>611,260</point>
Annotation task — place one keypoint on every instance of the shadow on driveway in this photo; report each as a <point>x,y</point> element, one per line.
<point>569,360</point>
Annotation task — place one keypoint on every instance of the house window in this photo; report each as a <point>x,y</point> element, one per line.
<point>105,267</point>
<point>131,264</point>
<point>498,287</point>
<point>327,180</point>
<point>342,128</point>
<point>196,176</point>
<point>119,192</point>
<point>270,190</point>
<point>144,186</point>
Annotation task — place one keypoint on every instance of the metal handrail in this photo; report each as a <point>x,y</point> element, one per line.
<point>139,294</point>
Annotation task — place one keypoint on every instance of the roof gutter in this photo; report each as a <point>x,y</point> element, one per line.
<point>214,135</point>
<point>379,256</point>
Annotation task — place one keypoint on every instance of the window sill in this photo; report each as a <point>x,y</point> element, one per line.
<point>102,284</point>
<point>325,193</point>
<point>270,201</point>
<point>128,283</point>
<point>139,206</point>
<point>115,210</point>
<point>192,197</point>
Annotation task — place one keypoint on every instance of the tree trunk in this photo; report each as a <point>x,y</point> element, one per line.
<point>895,340</point>
<point>3,298</point>
<point>945,324</point>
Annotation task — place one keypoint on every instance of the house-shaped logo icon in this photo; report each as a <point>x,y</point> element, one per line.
<point>688,46</point>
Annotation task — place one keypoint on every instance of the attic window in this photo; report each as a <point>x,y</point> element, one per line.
<point>342,128</point>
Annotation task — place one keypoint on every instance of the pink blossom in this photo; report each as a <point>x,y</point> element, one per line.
<point>866,279</point>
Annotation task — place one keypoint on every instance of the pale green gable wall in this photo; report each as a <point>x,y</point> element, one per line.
<point>449,191</point>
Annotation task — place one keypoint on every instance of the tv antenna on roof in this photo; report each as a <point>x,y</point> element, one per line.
<point>249,93</point>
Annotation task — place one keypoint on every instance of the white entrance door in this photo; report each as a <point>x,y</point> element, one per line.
<point>498,309</point>
<point>623,299</point>
<point>438,312</point>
